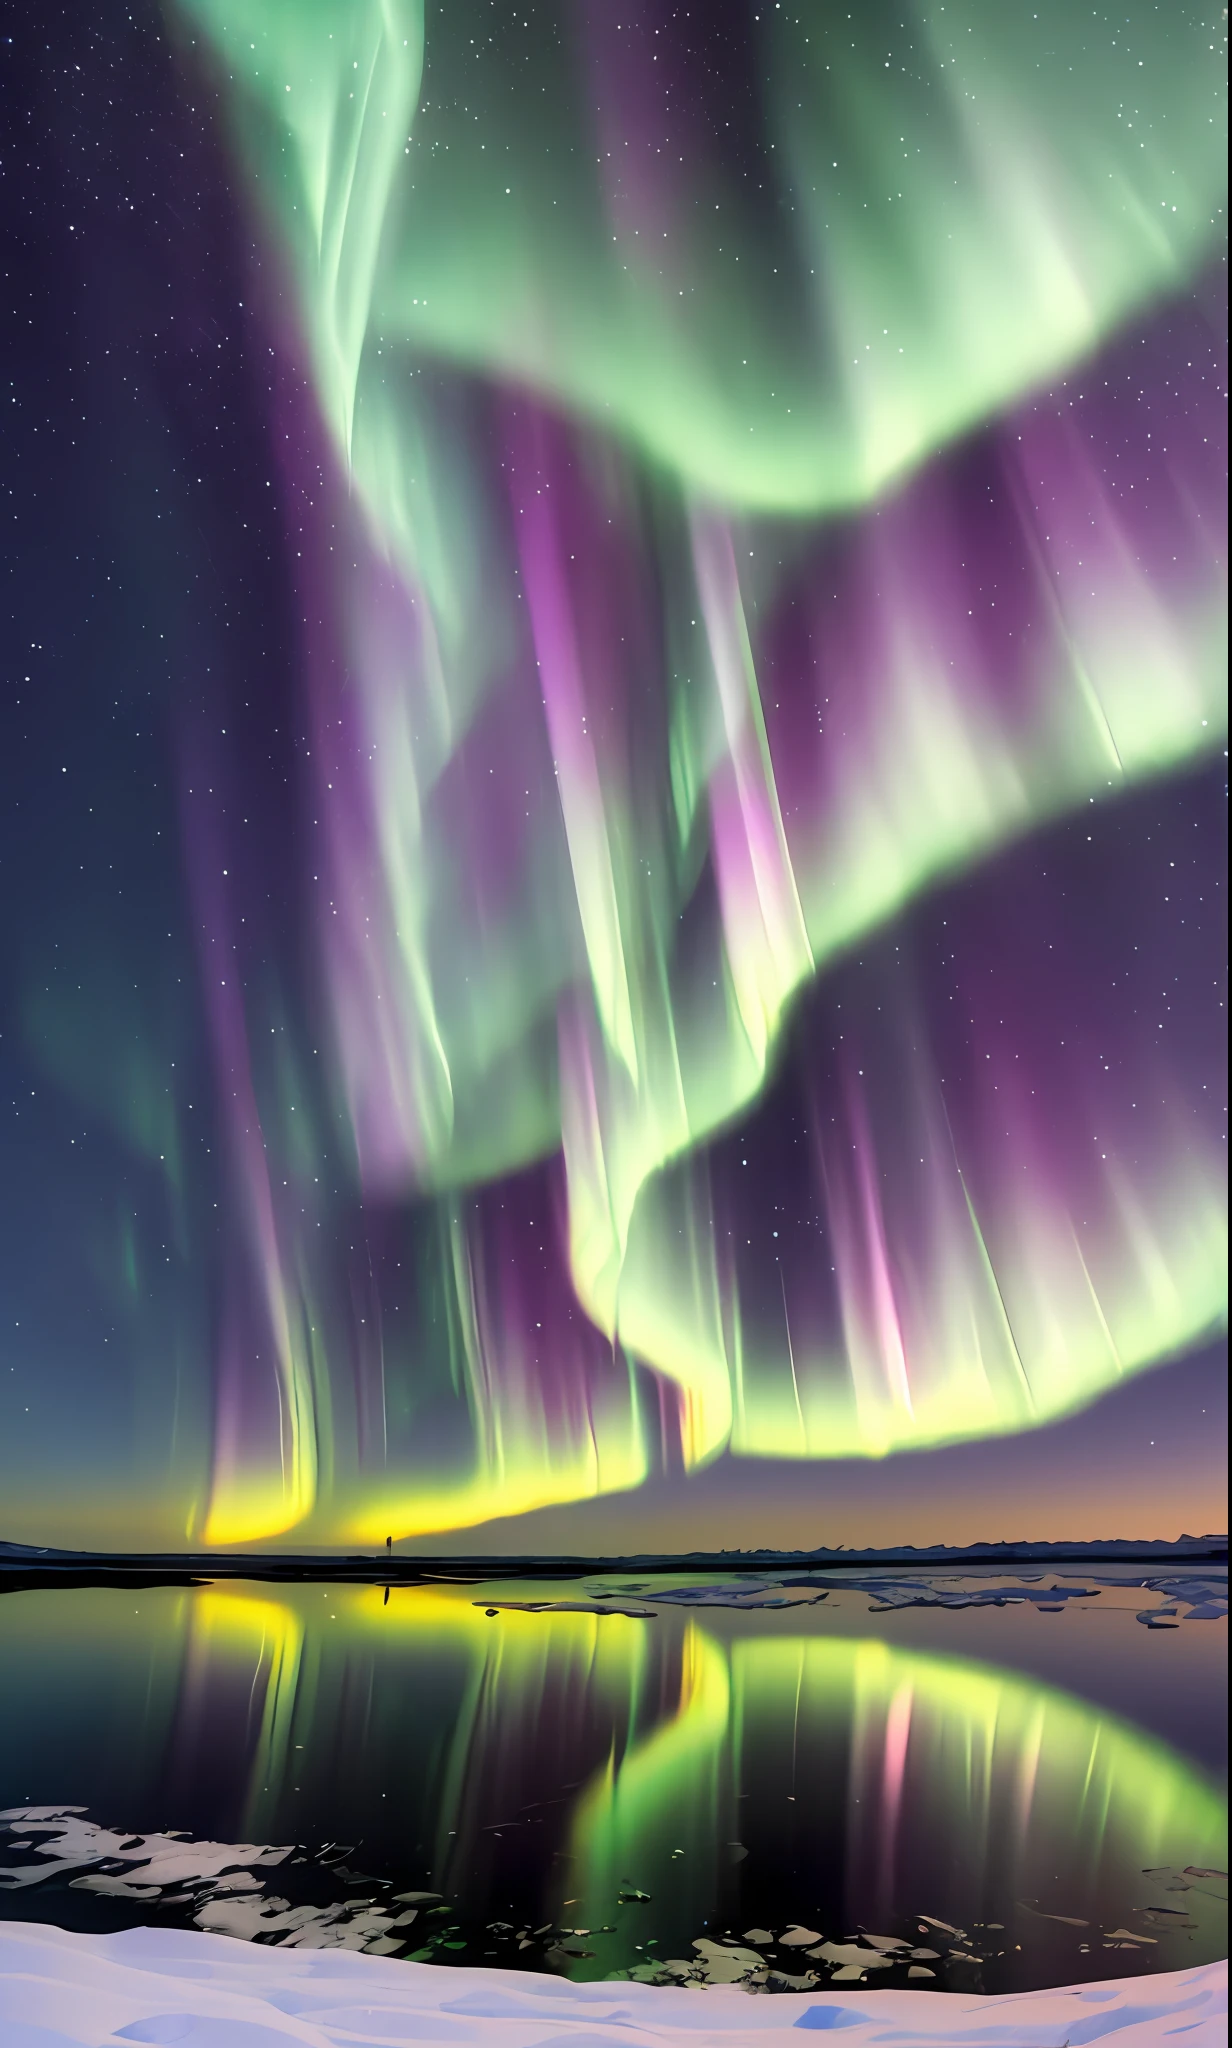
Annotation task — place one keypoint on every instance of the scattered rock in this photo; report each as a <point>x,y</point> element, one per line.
<point>779,1980</point>
<point>711,1950</point>
<point>727,1970</point>
<point>848,1955</point>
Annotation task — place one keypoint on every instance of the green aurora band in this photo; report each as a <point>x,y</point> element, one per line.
<point>592,420</point>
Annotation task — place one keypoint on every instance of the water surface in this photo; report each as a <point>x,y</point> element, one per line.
<point>630,1778</point>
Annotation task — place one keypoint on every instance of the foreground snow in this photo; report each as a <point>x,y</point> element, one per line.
<point>204,1991</point>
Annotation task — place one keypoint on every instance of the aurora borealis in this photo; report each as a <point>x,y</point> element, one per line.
<point>615,751</point>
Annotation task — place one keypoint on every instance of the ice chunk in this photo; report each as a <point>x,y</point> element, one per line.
<point>850,1955</point>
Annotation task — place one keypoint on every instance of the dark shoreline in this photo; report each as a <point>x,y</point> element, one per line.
<point>23,1566</point>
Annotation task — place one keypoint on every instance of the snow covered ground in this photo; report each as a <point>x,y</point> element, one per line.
<point>204,1991</point>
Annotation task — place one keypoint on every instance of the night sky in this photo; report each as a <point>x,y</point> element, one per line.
<point>612,775</point>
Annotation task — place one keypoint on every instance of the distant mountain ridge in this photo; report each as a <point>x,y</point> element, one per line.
<point>23,1564</point>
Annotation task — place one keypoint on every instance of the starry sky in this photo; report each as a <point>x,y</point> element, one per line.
<point>613,774</point>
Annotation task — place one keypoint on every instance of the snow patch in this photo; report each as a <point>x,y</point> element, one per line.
<point>157,1985</point>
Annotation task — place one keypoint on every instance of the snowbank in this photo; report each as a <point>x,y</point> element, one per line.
<point>203,1991</point>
